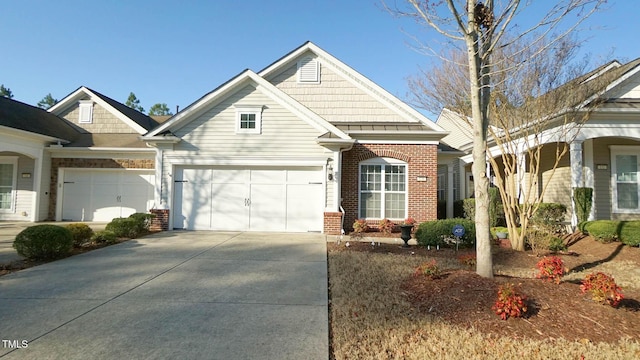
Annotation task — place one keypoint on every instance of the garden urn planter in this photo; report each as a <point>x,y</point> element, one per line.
<point>405,233</point>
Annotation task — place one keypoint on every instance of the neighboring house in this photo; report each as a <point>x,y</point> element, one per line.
<point>291,147</point>
<point>82,160</point>
<point>306,144</point>
<point>604,155</point>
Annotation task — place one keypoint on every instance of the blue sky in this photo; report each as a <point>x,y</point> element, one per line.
<point>175,51</point>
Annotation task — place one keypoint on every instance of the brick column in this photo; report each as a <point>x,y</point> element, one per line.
<point>332,223</point>
<point>161,221</point>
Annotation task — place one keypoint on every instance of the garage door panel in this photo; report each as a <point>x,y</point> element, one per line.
<point>197,175</point>
<point>268,176</point>
<point>230,207</point>
<point>304,207</point>
<point>196,206</point>
<point>268,207</point>
<point>73,191</point>
<point>106,201</point>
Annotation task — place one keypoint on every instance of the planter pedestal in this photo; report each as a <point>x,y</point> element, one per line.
<point>405,234</point>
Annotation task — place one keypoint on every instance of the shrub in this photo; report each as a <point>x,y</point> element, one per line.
<point>604,231</point>
<point>469,209</point>
<point>510,303</point>
<point>583,198</point>
<point>124,227</point>
<point>603,288</point>
<point>429,269</point>
<point>468,260</point>
<point>44,242</point>
<point>557,244</point>
<point>81,233</point>
<point>496,211</point>
<point>433,232</point>
<point>458,210</point>
<point>549,215</point>
<point>104,237</point>
<point>551,269</point>
<point>386,226</point>
<point>442,209</point>
<point>144,221</point>
<point>360,226</point>
<point>630,233</point>
<point>539,241</point>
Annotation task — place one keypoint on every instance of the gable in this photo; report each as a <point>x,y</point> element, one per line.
<point>282,133</point>
<point>333,97</point>
<point>103,121</point>
<point>627,89</point>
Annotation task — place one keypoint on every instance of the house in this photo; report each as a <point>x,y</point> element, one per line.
<point>306,144</point>
<point>604,152</point>
<point>82,160</point>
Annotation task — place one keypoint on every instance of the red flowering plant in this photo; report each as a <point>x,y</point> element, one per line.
<point>603,288</point>
<point>510,302</point>
<point>429,269</point>
<point>551,268</point>
<point>409,221</point>
<point>468,260</point>
<point>386,226</point>
<point>360,226</point>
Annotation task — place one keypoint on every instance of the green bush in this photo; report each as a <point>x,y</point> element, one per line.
<point>144,220</point>
<point>81,233</point>
<point>603,230</point>
<point>630,233</point>
<point>469,208</point>
<point>104,237</point>
<point>496,211</point>
<point>124,227</point>
<point>549,214</point>
<point>458,210</point>
<point>557,244</point>
<point>442,209</point>
<point>44,242</point>
<point>433,232</point>
<point>583,198</point>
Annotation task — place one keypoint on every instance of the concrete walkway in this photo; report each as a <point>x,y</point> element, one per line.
<point>173,295</point>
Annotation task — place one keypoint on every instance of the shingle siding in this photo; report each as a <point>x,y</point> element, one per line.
<point>103,121</point>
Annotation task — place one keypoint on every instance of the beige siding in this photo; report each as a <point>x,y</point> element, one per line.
<point>103,121</point>
<point>334,98</point>
<point>460,132</point>
<point>24,190</point>
<point>558,182</point>
<point>283,134</point>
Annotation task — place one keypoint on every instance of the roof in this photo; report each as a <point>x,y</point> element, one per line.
<point>108,141</point>
<point>141,119</point>
<point>21,116</point>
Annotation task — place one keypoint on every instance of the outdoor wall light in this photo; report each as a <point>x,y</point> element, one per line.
<point>330,173</point>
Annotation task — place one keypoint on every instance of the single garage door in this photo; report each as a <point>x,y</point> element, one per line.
<point>101,195</point>
<point>257,199</point>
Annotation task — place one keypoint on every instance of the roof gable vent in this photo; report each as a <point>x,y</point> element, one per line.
<point>309,71</point>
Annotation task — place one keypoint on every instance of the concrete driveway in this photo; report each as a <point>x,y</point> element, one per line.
<point>173,295</point>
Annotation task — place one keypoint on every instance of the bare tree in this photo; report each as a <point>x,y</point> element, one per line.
<point>480,28</point>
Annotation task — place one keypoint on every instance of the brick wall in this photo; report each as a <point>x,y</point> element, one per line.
<point>332,223</point>
<point>161,221</point>
<point>421,161</point>
<point>57,163</point>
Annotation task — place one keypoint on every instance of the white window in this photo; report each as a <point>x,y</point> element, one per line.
<point>309,71</point>
<point>8,171</point>
<point>249,119</point>
<point>85,110</point>
<point>383,189</point>
<point>625,165</point>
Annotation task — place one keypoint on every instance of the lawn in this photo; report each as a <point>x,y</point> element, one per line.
<point>379,310</point>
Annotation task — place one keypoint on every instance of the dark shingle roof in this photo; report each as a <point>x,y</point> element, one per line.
<point>21,116</point>
<point>141,119</point>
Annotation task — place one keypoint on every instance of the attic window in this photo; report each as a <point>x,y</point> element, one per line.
<point>309,71</point>
<point>85,111</point>
<point>249,119</point>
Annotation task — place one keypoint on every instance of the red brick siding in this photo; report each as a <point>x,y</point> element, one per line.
<point>161,221</point>
<point>421,161</point>
<point>332,223</point>
<point>58,163</point>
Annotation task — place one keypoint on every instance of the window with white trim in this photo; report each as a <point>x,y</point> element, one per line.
<point>308,71</point>
<point>85,111</point>
<point>383,189</point>
<point>249,119</point>
<point>625,166</point>
<point>8,171</point>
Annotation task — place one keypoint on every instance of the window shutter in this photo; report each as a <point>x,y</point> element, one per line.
<point>309,70</point>
<point>85,112</point>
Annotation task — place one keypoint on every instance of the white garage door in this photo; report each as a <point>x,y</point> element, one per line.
<point>101,195</point>
<point>248,199</point>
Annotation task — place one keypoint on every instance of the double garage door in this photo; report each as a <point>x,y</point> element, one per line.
<point>257,199</point>
<point>101,195</point>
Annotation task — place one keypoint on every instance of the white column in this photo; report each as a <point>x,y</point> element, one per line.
<point>462,181</point>
<point>37,187</point>
<point>157,198</point>
<point>337,180</point>
<point>589,180</point>
<point>450,190</point>
<point>577,180</point>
